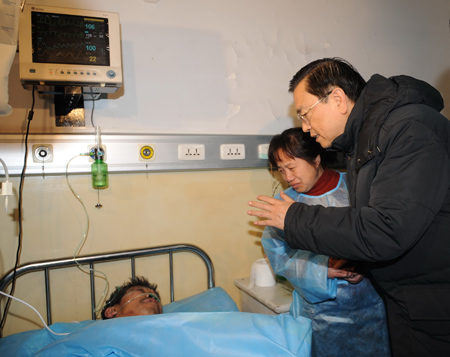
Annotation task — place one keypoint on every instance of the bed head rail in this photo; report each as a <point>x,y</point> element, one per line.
<point>97,258</point>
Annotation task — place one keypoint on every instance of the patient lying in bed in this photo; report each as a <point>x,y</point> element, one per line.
<point>135,298</point>
<point>205,324</point>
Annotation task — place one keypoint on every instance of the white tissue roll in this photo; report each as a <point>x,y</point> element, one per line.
<point>261,274</point>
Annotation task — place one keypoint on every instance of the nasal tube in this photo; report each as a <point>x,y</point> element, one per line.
<point>150,295</point>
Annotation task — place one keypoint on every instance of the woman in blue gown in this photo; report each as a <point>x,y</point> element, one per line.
<point>348,315</point>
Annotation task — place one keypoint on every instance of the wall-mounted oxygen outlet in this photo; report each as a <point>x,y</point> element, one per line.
<point>232,151</point>
<point>146,152</point>
<point>92,149</point>
<point>191,152</point>
<point>42,153</point>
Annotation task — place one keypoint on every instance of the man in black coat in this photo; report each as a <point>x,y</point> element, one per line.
<point>397,146</point>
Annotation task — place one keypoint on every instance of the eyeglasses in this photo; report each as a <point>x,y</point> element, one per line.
<point>303,118</point>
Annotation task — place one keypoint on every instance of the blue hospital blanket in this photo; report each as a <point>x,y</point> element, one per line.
<point>175,333</point>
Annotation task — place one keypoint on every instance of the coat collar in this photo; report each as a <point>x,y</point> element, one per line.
<point>377,100</point>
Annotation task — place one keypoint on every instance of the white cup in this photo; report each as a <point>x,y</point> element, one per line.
<point>261,274</point>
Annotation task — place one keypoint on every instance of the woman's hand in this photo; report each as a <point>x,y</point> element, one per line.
<point>355,279</point>
<point>339,268</point>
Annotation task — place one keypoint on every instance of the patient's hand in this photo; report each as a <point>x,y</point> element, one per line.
<point>340,268</point>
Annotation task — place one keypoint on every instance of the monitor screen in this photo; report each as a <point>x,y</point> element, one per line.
<point>69,47</point>
<point>70,39</point>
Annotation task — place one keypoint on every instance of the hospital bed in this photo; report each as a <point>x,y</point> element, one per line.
<point>203,324</point>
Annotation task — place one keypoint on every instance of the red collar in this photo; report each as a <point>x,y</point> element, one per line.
<point>326,182</point>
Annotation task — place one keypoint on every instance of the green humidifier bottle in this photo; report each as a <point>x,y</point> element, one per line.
<point>99,168</point>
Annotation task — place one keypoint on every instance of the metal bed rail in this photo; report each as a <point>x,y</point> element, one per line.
<point>46,266</point>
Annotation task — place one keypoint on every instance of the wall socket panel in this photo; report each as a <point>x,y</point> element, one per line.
<point>191,152</point>
<point>263,151</point>
<point>232,151</point>
<point>123,152</point>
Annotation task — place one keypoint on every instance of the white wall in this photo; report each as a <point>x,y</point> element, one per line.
<point>204,66</point>
<point>210,66</point>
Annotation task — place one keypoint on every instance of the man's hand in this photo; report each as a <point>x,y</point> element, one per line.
<point>273,210</point>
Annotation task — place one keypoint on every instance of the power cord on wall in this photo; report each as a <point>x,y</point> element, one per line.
<point>19,243</point>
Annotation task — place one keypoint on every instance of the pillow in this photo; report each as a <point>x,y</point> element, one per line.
<point>211,300</point>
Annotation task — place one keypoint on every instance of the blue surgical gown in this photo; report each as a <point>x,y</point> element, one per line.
<point>347,319</point>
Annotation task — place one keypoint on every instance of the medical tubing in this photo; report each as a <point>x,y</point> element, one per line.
<point>37,312</point>
<point>150,295</point>
<point>93,108</point>
<point>85,234</point>
<point>6,169</point>
<point>275,182</point>
<point>92,112</point>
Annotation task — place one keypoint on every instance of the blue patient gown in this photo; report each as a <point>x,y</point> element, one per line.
<point>347,319</point>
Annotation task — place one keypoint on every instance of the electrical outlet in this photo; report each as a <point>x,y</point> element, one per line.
<point>146,152</point>
<point>42,153</point>
<point>263,151</point>
<point>232,151</point>
<point>191,152</point>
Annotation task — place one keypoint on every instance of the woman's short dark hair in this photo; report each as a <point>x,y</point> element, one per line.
<point>325,74</point>
<point>294,143</point>
<point>120,291</point>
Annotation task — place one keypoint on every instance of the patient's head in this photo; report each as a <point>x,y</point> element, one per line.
<point>135,298</point>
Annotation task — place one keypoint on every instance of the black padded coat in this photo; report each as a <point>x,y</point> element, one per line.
<point>398,165</point>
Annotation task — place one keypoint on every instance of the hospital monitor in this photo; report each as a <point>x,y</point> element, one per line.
<point>61,46</point>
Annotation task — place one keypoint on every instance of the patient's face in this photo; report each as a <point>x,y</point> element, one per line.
<point>136,302</point>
